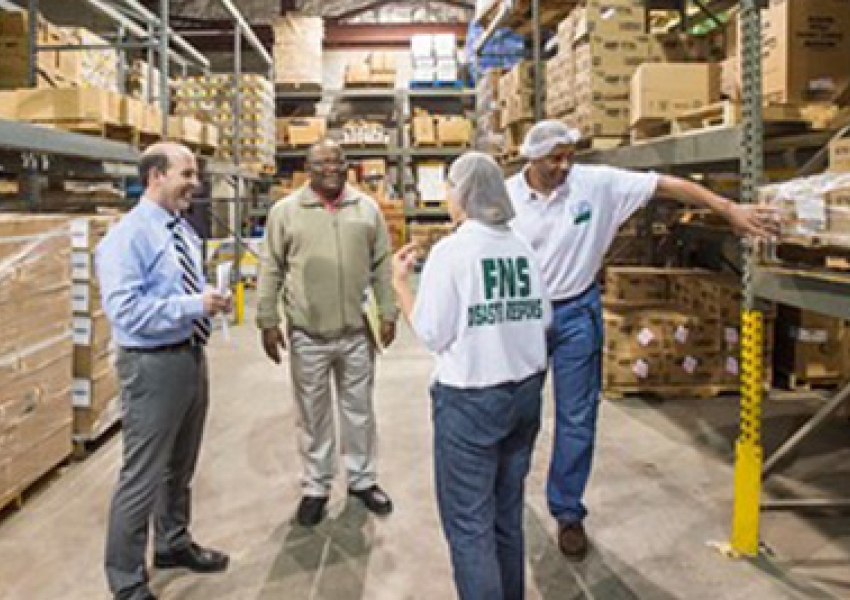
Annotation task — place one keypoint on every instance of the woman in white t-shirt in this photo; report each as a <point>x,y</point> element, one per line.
<point>483,312</point>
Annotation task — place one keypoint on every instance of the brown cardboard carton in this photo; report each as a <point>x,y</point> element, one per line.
<point>424,129</point>
<point>839,155</point>
<point>664,90</point>
<point>72,104</point>
<point>809,346</point>
<point>805,49</point>
<point>454,130</point>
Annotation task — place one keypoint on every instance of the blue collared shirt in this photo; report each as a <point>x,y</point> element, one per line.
<point>141,281</point>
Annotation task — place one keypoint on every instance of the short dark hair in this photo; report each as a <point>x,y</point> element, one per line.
<point>149,162</point>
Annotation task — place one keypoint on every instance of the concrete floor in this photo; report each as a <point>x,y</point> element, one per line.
<point>659,496</point>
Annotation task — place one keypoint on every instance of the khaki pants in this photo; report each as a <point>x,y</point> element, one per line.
<point>350,360</point>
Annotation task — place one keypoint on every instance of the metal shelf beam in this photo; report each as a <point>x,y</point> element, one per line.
<point>25,137</point>
<point>810,292</point>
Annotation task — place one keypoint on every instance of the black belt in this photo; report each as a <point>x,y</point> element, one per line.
<point>184,345</point>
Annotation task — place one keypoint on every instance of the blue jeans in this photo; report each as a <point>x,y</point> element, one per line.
<point>575,348</point>
<point>483,441</point>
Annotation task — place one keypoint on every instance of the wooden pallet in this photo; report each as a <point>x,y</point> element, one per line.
<point>366,145</point>
<point>360,85</point>
<point>602,142</point>
<point>441,144</point>
<point>106,425</point>
<point>15,498</point>
<point>649,129</point>
<point>798,383</point>
<point>811,254</point>
<point>297,86</point>
<point>110,131</point>
<point>621,392</point>
<point>729,114</point>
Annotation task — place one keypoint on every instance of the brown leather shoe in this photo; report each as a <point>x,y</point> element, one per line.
<point>572,541</point>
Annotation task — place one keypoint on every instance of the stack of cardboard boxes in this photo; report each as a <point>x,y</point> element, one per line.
<point>95,390</point>
<point>440,130</point>
<point>298,50</point>
<point>251,139</point>
<point>300,132</point>
<point>434,59</point>
<point>673,331</point>
<point>54,68</point>
<point>516,101</point>
<point>425,235</point>
<point>378,70</point>
<point>35,349</point>
<point>489,133</point>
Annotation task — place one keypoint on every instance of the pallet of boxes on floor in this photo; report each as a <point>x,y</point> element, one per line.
<point>36,351</point>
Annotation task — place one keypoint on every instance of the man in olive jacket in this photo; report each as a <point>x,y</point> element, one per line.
<point>325,244</point>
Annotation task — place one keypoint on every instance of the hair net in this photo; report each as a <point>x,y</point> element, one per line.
<point>480,189</point>
<point>545,136</point>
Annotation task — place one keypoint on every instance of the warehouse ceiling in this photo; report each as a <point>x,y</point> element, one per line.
<point>262,11</point>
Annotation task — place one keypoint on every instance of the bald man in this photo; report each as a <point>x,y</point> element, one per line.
<point>155,296</point>
<point>325,245</point>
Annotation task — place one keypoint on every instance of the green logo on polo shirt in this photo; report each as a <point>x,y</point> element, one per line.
<point>582,211</point>
<point>507,288</point>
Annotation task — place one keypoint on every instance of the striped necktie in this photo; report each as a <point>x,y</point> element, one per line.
<point>201,327</point>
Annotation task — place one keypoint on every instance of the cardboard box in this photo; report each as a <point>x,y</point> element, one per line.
<point>806,46</point>
<point>73,104</point>
<point>600,119</point>
<point>454,130</point>
<point>633,372</point>
<point>809,346</point>
<point>298,49</point>
<point>95,393</point>
<point>664,90</point>
<point>611,56</point>
<point>382,62</point>
<point>839,155</point>
<point>730,79</point>
<point>302,131</point>
<point>424,130</point>
<point>615,18</point>
<point>357,73</point>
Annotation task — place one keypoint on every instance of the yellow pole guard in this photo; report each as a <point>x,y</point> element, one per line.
<point>239,302</point>
<point>748,449</point>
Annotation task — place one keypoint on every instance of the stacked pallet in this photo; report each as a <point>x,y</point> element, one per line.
<point>516,100</point>
<point>672,332</point>
<point>489,134</point>
<point>53,68</point>
<point>378,70</point>
<point>35,350</point>
<point>811,351</point>
<point>95,391</point>
<point>298,51</point>
<point>440,130</point>
<point>300,132</point>
<point>251,139</point>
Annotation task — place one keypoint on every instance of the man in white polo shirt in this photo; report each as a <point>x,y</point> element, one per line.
<point>570,215</point>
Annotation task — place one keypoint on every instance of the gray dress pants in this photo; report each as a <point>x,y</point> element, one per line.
<point>164,399</point>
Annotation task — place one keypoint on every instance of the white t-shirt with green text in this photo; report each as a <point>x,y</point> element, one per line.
<point>482,308</point>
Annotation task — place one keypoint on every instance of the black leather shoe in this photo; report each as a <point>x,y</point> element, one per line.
<point>195,558</point>
<point>311,510</point>
<point>137,593</point>
<point>375,499</point>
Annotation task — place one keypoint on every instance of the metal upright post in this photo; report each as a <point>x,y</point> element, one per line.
<point>122,60</point>
<point>237,150</point>
<point>748,450</point>
<point>150,52</point>
<point>538,63</point>
<point>164,92</point>
<point>33,43</point>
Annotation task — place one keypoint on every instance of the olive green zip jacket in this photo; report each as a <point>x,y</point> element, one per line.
<point>318,264</point>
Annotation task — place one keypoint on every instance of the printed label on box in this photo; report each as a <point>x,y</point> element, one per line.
<point>81,393</point>
<point>80,297</point>
<point>82,333</point>
<point>641,369</point>
<point>732,365</point>
<point>732,336</point>
<point>682,334</point>
<point>81,266</point>
<point>645,337</point>
<point>810,336</point>
<point>79,233</point>
<point>690,365</point>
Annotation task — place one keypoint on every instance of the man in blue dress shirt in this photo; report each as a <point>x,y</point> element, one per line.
<point>155,296</point>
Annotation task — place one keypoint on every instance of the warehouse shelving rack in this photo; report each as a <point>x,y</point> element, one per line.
<point>400,151</point>
<point>33,151</point>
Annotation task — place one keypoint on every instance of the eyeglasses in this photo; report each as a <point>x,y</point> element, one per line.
<point>336,165</point>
